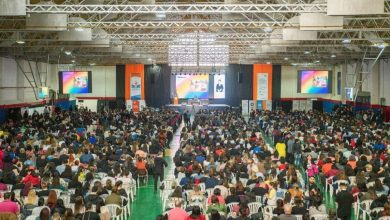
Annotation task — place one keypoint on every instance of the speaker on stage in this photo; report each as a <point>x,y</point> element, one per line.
<point>239,77</point>
<point>152,78</point>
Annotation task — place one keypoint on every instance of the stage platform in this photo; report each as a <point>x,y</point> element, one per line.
<point>196,108</point>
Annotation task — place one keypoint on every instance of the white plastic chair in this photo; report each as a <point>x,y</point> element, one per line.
<point>58,192</point>
<point>370,184</point>
<point>299,217</point>
<point>202,187</point>
<point>260,199</point>
<point>269,209</point>
<point>65,198</point>
<point>37,210</point>
<point>244,181</point>
<point>112,209</point>
<point>210,192</point>
<point>319,217</point>
<point>384,218</point>
<point>32,217</point>
<point>230,206</point>
<point>253,207</point>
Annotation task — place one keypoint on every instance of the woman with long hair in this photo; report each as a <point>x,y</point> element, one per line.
<point>44,214</point>
<point>52,200</point>
<point>279,207</point>
<point>79,205</point>
<point>177,193</point>
<point>32,198</point>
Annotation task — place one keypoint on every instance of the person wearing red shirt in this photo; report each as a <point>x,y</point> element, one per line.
<point>196,214</point>
<point>32,178</point>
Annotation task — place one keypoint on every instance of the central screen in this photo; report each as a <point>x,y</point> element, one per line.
<point>192,86</point>
<point>75,82</point>
<point>314,81</point>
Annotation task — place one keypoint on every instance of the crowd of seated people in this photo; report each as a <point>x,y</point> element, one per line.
<point>78,164</point>
<point>225,168</point>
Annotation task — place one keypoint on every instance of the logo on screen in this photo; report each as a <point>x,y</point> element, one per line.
<point>80,82</point>
<point>320,81</point>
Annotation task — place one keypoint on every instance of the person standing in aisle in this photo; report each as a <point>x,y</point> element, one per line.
<point>344,200</point>
<point>159,165</point>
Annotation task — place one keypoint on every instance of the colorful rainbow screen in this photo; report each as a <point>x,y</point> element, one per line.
<point>314,82</point>
<point>192,86</point>
<point>75,82</point>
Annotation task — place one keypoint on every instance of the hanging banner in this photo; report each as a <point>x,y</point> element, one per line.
<point>262,86</point>
<point>309,105</point>
<point>135,86</point>
<point>268,105</point>
<point>142,105</point>
<point>295,106</point>
<point>135,105</point>
<point>245,107</point>
<point>259,105</point>
<point>219,86</point>
<point>252,106</point>
<point>129,105</point>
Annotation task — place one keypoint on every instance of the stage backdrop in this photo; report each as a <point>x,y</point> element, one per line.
<point>134,82</point>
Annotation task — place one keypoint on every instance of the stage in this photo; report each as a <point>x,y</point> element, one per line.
<point>196,108</point>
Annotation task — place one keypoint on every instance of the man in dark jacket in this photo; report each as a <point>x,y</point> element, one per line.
<point>94,198</point>
<point>159,164</point>
<point>344,200</point>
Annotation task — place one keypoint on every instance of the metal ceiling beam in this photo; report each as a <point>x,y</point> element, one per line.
<point>178,8</point>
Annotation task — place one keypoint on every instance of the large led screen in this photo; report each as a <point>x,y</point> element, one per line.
<point>75,82</point>
<point>192,86</point>
<point>314,82</point>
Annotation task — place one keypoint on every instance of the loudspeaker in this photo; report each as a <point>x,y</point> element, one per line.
<point>152,78</point>
<point>239,77</point>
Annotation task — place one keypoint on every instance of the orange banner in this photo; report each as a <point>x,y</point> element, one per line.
<point>262,73</point>
<point>134,82</point>
<point>135,106</point>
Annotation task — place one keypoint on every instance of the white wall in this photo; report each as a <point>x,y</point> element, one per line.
<point>18,89</point>
<point>103,80</point>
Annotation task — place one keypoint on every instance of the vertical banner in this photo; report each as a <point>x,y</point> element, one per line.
<point>252,106</point>
<point>142,105</point>
<point>129,105</point>
<point>219,86</point>
<point>259,105</point>
<point>268,105</point>
<point>262,86</point>
<point>262,82</point>
<point>309,105</point>
<point>245,107</point>
<point>135,86</point>
<point>135,106</point>
<point>295,106</point>
<point>134,82</point>
<point>302,105</point>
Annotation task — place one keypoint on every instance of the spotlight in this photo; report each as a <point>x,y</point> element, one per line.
<point>346,41</point>
<point>92,64</point>
<point>333,55</point>
<point>79,29</point>
<point>20,42</point>
<point>286,58</point>
<point>68,52</point>
<point>307,52</point>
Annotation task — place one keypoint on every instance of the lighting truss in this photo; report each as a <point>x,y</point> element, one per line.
<point>197,49</point>
<point>178,8</point>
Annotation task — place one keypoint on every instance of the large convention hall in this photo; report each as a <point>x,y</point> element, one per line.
<point>194,110</point>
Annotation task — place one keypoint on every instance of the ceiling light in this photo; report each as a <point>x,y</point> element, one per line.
<point>294,64</point>
<point>73,61</point>
<point>92,64</point>
<point>149,59</point>
<point>79,29</point>
<point>381,46</point>
<point>346,41</point>
<point>268,29</point>
<point>333,55</point>
<point>19,39</point>
<point>268,62</point>
<point>307,52</point>
<point>286,58</point>
<point>20,42</point>
<point>317,61</point>
<point>68,53</point>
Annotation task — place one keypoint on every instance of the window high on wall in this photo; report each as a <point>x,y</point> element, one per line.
<point>197,49</point>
